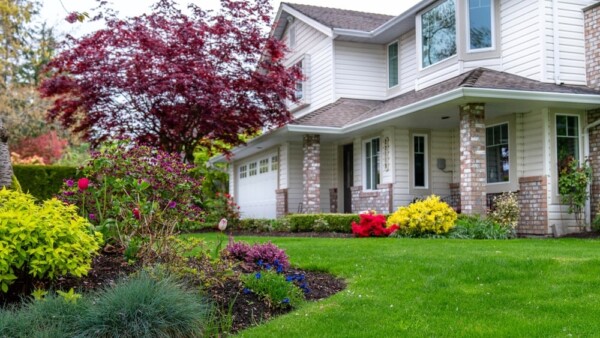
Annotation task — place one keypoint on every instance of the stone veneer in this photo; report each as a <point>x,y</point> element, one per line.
<point>533,200</point>
<point>333,200</point>
<point>311,174</point>
<point>472,159</point>
<point>592,44</point>
<point>282,202</point>
<point>379,200</point>
<point>594,158</point>
<point>454,199</point>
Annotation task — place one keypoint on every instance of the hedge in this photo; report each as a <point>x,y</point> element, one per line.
<point>322,222</point>
<point>43,181</point>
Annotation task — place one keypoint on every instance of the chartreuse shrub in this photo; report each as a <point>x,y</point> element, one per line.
<point>429,216</point>
<point>278,290</point>
<point>43,181</point>
<point>146,307</point>
<point>39,241</point>
<point>506,210</point>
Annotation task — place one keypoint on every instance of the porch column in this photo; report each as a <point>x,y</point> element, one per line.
<point>472,159</point>
<point>594,157</point>
<point>311,174</point>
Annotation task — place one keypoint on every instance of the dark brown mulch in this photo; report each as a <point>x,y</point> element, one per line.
<point>591,234</point>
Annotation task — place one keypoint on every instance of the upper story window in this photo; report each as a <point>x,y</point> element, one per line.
<point>480,30</point>
<point>392,64</point>
<point>567,140</point>
<point>497,153</point>
<point>438,33</point>
<point>372,174</point>
<point>299,91</point>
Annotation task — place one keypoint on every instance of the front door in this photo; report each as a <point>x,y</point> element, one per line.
<point>348,177</point>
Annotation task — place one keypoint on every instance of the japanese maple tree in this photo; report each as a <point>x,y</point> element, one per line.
<point>174,80</point>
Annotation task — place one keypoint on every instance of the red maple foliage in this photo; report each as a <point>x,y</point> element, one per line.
<point>174,80</point>
<point>372,225</point>
<point>48,146</point>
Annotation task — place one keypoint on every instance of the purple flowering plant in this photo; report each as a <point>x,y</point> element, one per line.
<point>258,255</point>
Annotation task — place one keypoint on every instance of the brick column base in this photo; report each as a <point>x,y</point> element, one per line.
<point>311,174</point>
<point>282,202</point>
<point>533,200</point>
<point>594,158</point>
<point>380,200</point>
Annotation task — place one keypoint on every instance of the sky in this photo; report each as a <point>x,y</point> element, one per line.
<point>54,12</point>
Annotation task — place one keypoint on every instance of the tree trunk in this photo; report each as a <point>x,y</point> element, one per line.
<point>6,171</point>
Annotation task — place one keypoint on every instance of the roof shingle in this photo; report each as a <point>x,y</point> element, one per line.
<point>342,18</point>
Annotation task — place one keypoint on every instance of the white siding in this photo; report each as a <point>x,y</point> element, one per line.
<point>441,147</point>
<point>360,70</point>
<point>521,43</point>
<point>532,147</point>
<point>494,63</point>
<point>232,178</point>
<point>295,184</point>
<point>284,166</point>
<point>402,154</point>
<point>438,76</point>
<point>571,40</point>
<point>357,157</point>
<point>408,61</point>
<point>387,155</point>
<point>319,48</point>
<point>328,173</point>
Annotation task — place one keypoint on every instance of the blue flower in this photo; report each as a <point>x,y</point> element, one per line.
<point>289,278</point>
<point>246,291</point>
<point>279,268</point>
<point>286,301</point>
<point>306,290</point>
<point>276,262</point>
<point>260,263</point>
<point>257,275</point>
<point>267,266</point>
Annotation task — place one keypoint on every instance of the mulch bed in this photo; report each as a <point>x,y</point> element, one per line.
<point>591,235</point>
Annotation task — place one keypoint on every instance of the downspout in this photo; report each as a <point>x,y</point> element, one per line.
<point>586,155</point>
<point>555,30</point>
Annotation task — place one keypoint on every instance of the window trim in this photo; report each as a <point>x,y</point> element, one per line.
<point>250,169</point>
<point>468,29</point>
<point>243,170</point>
<point>578,138</point>
<point>397,42</point>
<point>419,35</point>
<point>364,161</point>
<point>510,154</point>
<point>426,156</point>
<point>274,162</point>
<point>553,156</point>
<point>263,164</point>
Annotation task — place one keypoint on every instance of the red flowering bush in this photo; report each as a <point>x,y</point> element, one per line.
<point>372,225</point>
<point>50,147</point>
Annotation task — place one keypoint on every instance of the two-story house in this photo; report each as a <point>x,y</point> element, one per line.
<point>459,98</point>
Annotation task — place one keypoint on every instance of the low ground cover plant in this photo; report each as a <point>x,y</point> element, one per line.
<point>275,287</point>
<point>478,227</point>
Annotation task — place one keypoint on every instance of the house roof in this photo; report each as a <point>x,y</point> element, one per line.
<point>342,18</point>
<point>349,111</point>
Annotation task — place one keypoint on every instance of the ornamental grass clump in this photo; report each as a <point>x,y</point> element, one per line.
<point>372,225</point>
<point>42,241</point>
<point>428,216</point>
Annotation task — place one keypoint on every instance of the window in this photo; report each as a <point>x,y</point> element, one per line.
<point>438,33</point>
<point>252,171</point>
<point>497,153</point>
<point>243,171</point>
<point>264,166</point>
<point>372,164</point>
<point>393,65</point>
<point>299,92</point>
<point>480,30</point>
<point>274,163</point>
<point>567,140</point>
<point>420,161</point>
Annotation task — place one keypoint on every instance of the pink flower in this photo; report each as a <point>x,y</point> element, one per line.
<point>72,17</point>
<point>70,183</point>
<point>83,184</point>
<point>136,213</point>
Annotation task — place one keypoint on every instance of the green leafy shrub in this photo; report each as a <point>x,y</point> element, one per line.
<point>476,227</point>
<point>145,307</point>
<point>274,287</point>
<point>43,181</point>
<point>261,225</point>
<point>506,210</point>
<point>573,182</point>
<point>322,222</point>
<point>44,240</point>
<point>428,216</point>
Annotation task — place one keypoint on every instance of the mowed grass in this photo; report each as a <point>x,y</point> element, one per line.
<point>445,288</point>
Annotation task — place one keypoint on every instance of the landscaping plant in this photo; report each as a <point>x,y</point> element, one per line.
<point>372,225</point>
<point>44,240</point>
<point>506,210</point>
<point>477,227</point>
<point>275,287</point>
<point>573,182</point>
<point>258,254</point>
<point>428,216</point>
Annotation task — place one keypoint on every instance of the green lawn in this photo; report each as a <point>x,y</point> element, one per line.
<point>446,288</point>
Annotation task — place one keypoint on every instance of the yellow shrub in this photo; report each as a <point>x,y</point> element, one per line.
<point>428,216</point>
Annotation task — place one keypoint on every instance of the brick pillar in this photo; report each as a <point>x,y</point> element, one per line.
<point>282,202</point>
<point>311,174</point>
<point>533,200</point>
<point>594,158</point>
<point>472,159</point>
<point>592,44</point>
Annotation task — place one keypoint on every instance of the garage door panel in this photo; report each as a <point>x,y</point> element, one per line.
<point>256,191</point>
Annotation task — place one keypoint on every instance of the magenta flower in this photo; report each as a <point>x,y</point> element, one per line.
<point>72,17</point>
<point>70,183</point>
<point>172,204</point>
<point>83,184</point>
<point>92,217</point>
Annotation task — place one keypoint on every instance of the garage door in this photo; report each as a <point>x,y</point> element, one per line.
<point>257,181</point>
